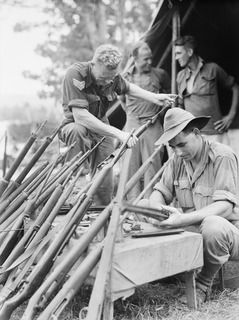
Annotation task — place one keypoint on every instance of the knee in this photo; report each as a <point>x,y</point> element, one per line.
<point>211,224</point>
<point>214,227</point>
<point>73,132</point>
<point>77,131</point>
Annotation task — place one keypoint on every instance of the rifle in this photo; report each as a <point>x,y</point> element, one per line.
<point>40,227</point>
<point>10,194</point>
<point>76,162</point>
<point>24,210</point>
<point>5,214</point>
<point>54,280</point>
<point>137,133</point>
<point>14,301</point>
<point>71,287</point>
<point>14,184</point>
<point>30,206</point>
<point>4,182</point>
<point>38,300</point>
<point>101,285</point>
<point>5,202</point>
<point>139,173</point>
<point>42,268</point>
<point>158,214</point>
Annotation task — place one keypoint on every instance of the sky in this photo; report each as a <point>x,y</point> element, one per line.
<point>17,50</point>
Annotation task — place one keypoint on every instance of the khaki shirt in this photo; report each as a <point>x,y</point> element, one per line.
<point>216,178</point>
<point>157,80</point>
<point>80,90</point>
<point>203,99</point>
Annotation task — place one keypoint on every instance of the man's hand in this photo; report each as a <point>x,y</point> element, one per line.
<point>223,124</point>
<point>124,136</point>
<point>162,98</point>
<point>175,218</point>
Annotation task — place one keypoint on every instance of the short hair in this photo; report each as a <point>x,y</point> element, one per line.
<point>108,55</point>
<point>137,46</point>
<point>187,41</point>
<point>191,126</point>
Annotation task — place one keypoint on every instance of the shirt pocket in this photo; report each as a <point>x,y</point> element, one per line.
<point>94,104</point>
<point>207,85</point>
<point>203,196</point>
<point>184,195</point>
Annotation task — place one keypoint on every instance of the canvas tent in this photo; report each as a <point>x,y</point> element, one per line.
<point>215,24</point>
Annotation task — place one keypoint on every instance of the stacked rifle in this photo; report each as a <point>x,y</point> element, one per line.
<point>30,244</point>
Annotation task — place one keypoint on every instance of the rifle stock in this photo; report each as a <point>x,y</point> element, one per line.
<point>42,268</point>
<point>71,286</point>
<point>39,272</point>
<point>103,274</point>
<point>53,281</point>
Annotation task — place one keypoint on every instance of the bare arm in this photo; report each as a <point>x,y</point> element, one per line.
<point>234,105</point>
<point>218,208</point>
<point>157,98</point>
<point>89,121</point>
<point>156,200</point>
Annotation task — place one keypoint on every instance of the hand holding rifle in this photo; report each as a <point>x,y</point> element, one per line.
<point>175,218</point>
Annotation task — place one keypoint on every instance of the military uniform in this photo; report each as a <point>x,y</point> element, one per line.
<point>80,91</point>
<point>138,112</point>
<point>202,98</point>
<point>215,179</point>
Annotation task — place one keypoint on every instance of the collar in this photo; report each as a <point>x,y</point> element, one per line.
<point>131,70</point>
<point>201,63</point>
<point>89,78</point>
<point>193,176</point>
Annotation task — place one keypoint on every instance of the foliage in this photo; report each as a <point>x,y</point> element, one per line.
<point>76,27</point>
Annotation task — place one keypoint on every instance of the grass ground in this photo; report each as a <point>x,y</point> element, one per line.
<point>158,301</point>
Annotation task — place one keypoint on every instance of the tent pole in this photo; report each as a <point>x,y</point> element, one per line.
<point>168,49</point>
<point>175,34</point>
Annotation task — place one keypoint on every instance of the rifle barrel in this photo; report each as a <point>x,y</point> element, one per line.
<point>22,154</point>
<point>36,156</point>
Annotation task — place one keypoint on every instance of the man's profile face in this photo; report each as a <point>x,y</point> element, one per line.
<point>182,55</point>
<point>103,76</point>
<point>185,145</point>
<point>144,59</point>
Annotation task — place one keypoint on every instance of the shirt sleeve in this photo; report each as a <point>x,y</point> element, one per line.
<point>74,90</point>
<point>226,179</point>
<point>121,85</point>
<point>165,186</point>
<point>223,78</point>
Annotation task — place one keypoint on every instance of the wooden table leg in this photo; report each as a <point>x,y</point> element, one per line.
<point>191,289</point>
<point>108,310</point>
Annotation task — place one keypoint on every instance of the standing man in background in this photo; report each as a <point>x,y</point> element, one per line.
<point>198,84</point>
<point>88,90</point>
<point>138,111</point>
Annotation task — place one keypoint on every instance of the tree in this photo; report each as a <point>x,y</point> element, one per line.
<point>77,27</point>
